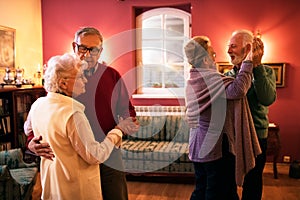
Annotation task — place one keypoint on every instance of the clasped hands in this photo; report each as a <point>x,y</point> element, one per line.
<point>256,52</point>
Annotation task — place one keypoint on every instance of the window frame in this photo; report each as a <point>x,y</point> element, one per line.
<point>161,92</point>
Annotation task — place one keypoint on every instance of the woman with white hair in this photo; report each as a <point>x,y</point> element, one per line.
<point>74,171</point>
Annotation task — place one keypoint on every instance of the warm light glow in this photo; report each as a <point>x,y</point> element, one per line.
<point>70,47</point>
<point>105,54</point>
<point>268,46</point>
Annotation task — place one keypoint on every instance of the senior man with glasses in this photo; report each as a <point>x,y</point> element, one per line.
<point>106,99</point>
<point>93,50</point>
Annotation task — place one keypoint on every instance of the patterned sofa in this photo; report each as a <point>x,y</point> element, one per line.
<point>161,144</point>
<point>17,178</point>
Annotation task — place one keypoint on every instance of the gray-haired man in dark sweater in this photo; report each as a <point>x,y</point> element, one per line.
<point>261,94</point>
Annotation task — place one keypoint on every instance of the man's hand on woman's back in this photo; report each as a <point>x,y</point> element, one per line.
<point>41,148</point>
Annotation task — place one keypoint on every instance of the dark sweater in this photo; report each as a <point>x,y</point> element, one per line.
<point>261,94</point>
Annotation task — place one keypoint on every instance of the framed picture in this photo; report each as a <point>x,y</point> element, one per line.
<point>279,69</point>
<point>224,67</point>
<point>7,47</point>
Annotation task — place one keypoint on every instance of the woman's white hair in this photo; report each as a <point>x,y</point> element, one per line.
<point>58,66</point>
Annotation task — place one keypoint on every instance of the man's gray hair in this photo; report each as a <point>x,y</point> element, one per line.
<point>88,31</point>
<point>246,34</point>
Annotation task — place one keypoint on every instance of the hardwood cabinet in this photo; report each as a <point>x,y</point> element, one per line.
<point>15,104</point>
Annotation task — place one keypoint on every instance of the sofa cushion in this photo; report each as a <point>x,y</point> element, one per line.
<point>13,158</point>
<point>162,128</point>
<point>161,144</point>
<point>25,178</point>
<point>6,183</point>
<point>4,172</point>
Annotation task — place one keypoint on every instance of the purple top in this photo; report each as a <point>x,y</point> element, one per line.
<point>206,100</point>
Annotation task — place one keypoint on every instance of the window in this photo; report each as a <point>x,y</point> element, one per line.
<point>161,35</point>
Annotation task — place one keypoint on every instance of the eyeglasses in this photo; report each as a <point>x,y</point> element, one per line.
<point>83,49</point>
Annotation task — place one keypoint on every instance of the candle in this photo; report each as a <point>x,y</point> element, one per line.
<point>39,68</point>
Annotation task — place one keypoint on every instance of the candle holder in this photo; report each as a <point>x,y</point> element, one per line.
<point>38,78</point>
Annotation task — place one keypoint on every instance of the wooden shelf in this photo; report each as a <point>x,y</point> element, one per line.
<point>15,105</point>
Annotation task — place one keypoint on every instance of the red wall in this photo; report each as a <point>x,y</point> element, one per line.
<point>277,21</point>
